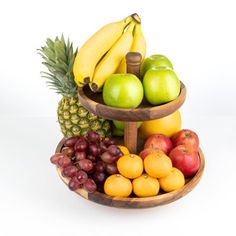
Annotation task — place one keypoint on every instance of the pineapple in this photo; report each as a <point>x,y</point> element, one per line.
<point>73,118</point>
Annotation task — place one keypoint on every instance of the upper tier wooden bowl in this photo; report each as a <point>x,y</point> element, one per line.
<point>134,202</point>
<point>95,104</point>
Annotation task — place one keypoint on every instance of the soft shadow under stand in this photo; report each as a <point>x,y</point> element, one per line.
<point>95,104</point>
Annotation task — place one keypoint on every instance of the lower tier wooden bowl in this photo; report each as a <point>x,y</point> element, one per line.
<point>134,202</point>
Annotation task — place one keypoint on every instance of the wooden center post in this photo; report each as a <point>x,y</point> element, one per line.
<point>133,62</point>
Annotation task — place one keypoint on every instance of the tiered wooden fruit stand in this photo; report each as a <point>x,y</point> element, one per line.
<point>94,103</point>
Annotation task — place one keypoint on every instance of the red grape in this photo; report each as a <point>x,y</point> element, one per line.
<point>113,150</point>
<point>103,147</point>
<point>70,171</point>
<point>90,186</point>
<point>77,165</point>
<point>100,166</point>
<point>93,137</point>
<point>111,169</point>
<point>86,165</point>
<point>99,176</point>
<point>119,151</point>
<point>69,151</point>
<point>94,149</point>
<point>64,162</point>
<point>118,156</point>
<point>74,184</point>
<point>70,142</point>
<point>93,169</point>
<point>108,141</point>
<point>54,158</point>
<point>91,158</point>
<point>80,156</point>
<point>81,145</point>
<point>81,176</point>
<point>107,157</point>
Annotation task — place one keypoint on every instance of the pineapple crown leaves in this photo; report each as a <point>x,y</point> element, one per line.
<point>58,56</point>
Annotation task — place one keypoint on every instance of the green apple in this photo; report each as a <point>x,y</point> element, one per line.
<point>161,85</point>
<point>121,125</point>
<point>117,132</point>
<point>155,61</point>
<point>123,91</point>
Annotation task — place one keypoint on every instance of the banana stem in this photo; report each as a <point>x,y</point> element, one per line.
<point>131,27</point>
<point>137,29</point>
<point>94,87</point>
<point>87,80</point>
<point>136,18</point>
<point>127,20</point>
<point>133,17</point>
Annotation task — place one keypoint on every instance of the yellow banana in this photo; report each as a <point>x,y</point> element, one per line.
<point>109,64</point>
<point>139,45</point>
<point>93,50</point>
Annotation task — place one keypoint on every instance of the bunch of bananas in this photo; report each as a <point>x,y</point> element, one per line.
<point>104,53</point>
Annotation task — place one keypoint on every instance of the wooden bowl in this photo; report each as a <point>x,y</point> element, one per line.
<point>95,104</point>
<point>134,202</point>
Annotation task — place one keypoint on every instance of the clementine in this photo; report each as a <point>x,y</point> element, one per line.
<point>173,181</point>
<point>124,149</point>
<point>146,186</point>
<point>117,186</point>
<point>158,164</point>
<point>130,166</point>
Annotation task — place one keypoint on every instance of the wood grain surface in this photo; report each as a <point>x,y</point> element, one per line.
<point>130,136</point>
<point>133,62</point>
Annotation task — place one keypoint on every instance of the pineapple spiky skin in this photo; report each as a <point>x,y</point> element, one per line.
<point>75,120</point>
<point>58,56</point>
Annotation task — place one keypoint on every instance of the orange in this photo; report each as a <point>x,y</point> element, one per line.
<point>168,125</point>
<point>158,164</point>
<point>130,166</point>
<point>117,186</point>
<point>173,181</point>
<point>145,186</point>
<point>124,149</point>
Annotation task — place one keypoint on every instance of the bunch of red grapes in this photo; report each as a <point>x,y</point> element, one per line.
<point>87,161</point>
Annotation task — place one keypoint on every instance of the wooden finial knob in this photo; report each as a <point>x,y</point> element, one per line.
<point>133,62</point>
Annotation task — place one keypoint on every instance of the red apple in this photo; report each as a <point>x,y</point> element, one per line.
<point>186,159</point>
<point>159,141</point>
<point>186,137</point>
<point>146,152</point>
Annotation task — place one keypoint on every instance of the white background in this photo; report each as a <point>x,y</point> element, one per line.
<point>198,37</point>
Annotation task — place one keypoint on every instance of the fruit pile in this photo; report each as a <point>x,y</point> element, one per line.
<point>163,164</point>
<point>104,52</point>
<point>90,158</point>
<point>95,164</point>
<point>87,160</point>
<point>100,63</point>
